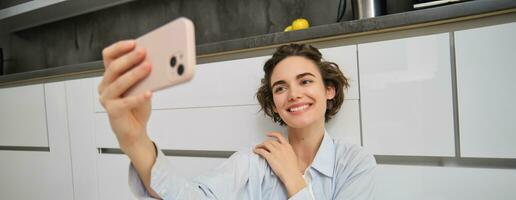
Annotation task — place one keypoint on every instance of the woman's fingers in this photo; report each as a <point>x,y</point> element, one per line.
<point>262,152</point>
<point>281,139</point>
<point>120,66</point>
<point>273,143</point>
<point>119,106</point>
<point>262,146</point>
<point>116,50</point>
<point>270,146</point>
<point>127,80</point>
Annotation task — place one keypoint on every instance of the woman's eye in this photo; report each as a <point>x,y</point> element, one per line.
<point>304,82</point>
<point>279,89</point>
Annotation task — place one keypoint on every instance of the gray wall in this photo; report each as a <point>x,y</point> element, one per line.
<point>81,39</point>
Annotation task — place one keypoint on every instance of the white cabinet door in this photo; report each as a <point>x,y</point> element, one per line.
<point>345,125</point>
<point>23,119</point>
<point>346,58</point>
<point>444,183</point>
<point>82,138</point>
<point>486,69</point>
<point>406,96</point>
<point>40,174</point>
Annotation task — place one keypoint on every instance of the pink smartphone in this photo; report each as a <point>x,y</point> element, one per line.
<point>171,52</point>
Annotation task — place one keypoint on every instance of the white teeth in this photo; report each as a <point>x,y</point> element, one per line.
<point>298,108</point>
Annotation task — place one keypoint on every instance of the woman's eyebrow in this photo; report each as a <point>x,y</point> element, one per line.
<point>299,76</point>
<point>304,74</point>
<point>278,83</point>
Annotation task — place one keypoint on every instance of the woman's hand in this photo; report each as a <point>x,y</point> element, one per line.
<point>125,66</point>
<point>283,161</point>
<point>128,116</point>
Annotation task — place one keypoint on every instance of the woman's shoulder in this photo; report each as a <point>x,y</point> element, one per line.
<point>248,156</point>
<point>244,154</point>
<point>348,155</point>
<point>250,163</point>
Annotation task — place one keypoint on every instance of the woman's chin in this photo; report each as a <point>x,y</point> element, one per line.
<point>297,124</point>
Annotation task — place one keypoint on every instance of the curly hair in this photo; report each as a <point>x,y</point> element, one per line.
<point>330,72</point>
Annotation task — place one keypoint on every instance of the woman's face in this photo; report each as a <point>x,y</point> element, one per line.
<point>298,92</point>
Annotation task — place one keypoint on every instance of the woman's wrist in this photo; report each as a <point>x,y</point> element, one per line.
<point>294,184</point>
<point>143,154</point>
<point>142,143</point>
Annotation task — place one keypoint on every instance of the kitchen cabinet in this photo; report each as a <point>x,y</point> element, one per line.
<point>79,100</point>
<point>346,58</point>
<point>39,174</point>
<point>23,122</point>
<point>405,182</point>
<point>406,96</point>
<point>345,125</point>
<point>486,88</point>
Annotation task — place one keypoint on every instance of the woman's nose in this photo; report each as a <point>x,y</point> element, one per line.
<point>294,93</point>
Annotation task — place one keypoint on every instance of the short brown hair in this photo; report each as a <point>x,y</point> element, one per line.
<point>330,72</point>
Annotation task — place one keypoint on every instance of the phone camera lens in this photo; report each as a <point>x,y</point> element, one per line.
<point>180,69</point>
<point>173,61</point>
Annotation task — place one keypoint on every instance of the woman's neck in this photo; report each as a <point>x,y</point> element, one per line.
<point>305,142</point>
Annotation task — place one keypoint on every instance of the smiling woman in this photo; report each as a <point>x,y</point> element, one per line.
<point>299,90</point>
<point>302,91</point>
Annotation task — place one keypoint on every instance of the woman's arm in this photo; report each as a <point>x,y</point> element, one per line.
<point>143,157</point>
<point>230,180</point>
<point>128,116</point>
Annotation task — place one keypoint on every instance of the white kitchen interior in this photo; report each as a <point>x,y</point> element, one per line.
<point>433,103</point>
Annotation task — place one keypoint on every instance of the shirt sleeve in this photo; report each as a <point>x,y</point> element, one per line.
<point>307,192</point>
<point>304,194</point>
<point>228,181</point>
<point>360,183</point>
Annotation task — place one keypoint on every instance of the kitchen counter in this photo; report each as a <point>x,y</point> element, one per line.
<point>400,21</point>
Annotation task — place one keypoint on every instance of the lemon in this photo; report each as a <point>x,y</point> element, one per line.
<point>299,24</point>
<point>289,28</point>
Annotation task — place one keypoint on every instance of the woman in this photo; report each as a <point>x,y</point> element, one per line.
<point>298,90</point>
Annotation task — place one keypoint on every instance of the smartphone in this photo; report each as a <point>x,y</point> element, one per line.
<point>171,53</point>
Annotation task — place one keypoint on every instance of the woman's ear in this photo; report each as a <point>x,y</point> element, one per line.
<point>330,92</point>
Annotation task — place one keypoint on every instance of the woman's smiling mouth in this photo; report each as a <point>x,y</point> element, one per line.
<point>298,107</point>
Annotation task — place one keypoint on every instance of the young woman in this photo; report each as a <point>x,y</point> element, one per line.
<point>299,90</point>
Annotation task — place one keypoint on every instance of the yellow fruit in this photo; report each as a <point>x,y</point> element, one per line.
<point>299,24</point>
<point>289,28</point>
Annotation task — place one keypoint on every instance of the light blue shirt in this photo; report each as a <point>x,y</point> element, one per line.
<point>339,171</point>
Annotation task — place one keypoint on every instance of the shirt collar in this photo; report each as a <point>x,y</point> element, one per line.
<point>325,158</point>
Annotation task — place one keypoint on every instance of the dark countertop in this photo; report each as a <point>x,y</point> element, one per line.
<point>447,12</point>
